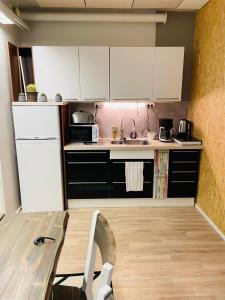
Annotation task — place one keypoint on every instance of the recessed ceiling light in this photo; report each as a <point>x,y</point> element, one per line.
<point>4,19</point>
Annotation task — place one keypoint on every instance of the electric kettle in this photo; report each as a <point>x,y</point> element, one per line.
<point>184,130</point>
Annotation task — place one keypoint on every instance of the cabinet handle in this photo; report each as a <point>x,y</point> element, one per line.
<point>133,99</point>
<point>184,161</point>
<point>95,99</point>
<point>85,162</point>
<point>173,98</point>
<point>183,181</point>
<point>87,182</point>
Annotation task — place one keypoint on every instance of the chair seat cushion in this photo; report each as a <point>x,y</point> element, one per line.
<point>64,292</point>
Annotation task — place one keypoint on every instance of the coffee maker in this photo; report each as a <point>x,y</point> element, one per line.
<point>165,130</point>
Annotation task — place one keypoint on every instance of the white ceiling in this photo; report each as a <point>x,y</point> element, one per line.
<point>113,4</point>
<point>163,4</point>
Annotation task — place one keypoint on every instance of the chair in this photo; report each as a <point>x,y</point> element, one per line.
<point>102,236</point>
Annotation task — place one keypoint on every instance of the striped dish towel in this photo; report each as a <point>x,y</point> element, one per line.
<point>134,176</point>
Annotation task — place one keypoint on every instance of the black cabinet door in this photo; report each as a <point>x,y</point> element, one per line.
<point>87,156</point>
<point>118,190</point>
<point>183,173</point>
<point>87,190</point>
<point>118,180</point>
<point>87,171</point>
<point>87,174</point>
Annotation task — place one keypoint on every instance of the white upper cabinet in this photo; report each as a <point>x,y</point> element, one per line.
<point>168,73</point>
<point>94,73</point>
<point>57,71</point>
<point>131,73</point>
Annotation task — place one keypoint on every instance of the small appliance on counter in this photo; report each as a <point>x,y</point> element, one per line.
<point>83,129</point>
<point>80,117</point>
<point>165,130</point>
<point>86,133</point>
<point>183,136</point>
<point>184,130</point>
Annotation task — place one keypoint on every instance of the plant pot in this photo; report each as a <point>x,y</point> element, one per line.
<point>32,97</point>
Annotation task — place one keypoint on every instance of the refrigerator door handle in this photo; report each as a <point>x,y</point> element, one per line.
<point>37,138</point>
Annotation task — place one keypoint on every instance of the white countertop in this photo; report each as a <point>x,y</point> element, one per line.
<point>105,144</point>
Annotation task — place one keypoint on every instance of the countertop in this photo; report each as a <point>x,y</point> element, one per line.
<point>104,144</point>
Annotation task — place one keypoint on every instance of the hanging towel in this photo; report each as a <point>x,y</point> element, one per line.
<point>134,176</point>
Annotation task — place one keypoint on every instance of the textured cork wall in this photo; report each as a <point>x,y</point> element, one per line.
<point>207,107</point>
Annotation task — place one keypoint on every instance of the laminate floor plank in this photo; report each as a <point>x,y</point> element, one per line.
<point>162,253</point>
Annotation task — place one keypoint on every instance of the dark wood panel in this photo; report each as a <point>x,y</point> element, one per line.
<point>14,70</point>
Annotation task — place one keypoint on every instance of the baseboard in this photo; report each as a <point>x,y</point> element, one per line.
<point>131,202</point>
<point>213,225</point>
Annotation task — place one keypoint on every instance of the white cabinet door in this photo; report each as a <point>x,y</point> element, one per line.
<point>56,70</point>
<point>131,73</point>
<point>94,73</point>
<point>168,73</point>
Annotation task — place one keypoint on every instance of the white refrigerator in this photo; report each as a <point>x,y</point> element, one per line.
<point>38,147</point>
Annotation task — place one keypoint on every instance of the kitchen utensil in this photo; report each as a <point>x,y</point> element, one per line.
<point>83,117</point>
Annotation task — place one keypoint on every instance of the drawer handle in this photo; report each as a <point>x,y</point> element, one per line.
<point>88,182</point>
<point>85,162</point>
<point>182,172</point>
<point>184,161</point>
<point>183,181</point>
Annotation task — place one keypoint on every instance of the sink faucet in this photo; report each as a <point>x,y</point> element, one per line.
<point>122,137</point>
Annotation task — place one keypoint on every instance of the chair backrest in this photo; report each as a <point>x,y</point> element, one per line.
<point>101,235</point>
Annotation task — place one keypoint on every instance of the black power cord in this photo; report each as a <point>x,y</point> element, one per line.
<point>41,239</point>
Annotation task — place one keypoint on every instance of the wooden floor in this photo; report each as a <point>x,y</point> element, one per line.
<point>162,253</point>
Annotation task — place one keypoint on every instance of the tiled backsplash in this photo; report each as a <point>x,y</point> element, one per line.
<point>111,117</point>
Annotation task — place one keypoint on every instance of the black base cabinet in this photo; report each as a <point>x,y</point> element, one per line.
<point>92,175</point>
<point>87,174</point>
<point>118,181</point>
<point>183,173</point>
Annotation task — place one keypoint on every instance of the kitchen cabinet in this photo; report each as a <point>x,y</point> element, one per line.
<point>131,73</point>
<point>57,71</point>
<point>183,173</point>
<point>94,73</point>
<point>87,174</point>
<point>118,180</point>
<point>168,73</point>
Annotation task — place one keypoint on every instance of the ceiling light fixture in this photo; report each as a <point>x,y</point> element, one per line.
<point>8,17</point>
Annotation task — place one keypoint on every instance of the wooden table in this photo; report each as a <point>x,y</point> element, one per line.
<point>26,270</point>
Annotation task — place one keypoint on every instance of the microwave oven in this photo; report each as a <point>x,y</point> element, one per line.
<point>87,133</point>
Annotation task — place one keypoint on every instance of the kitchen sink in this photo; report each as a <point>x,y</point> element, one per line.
<point>130,142</point>
<point>117,142</point>
<point>136,142</point>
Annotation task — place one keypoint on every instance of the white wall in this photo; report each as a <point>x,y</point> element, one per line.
<point>7,146</point>
<point>89,34</point>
